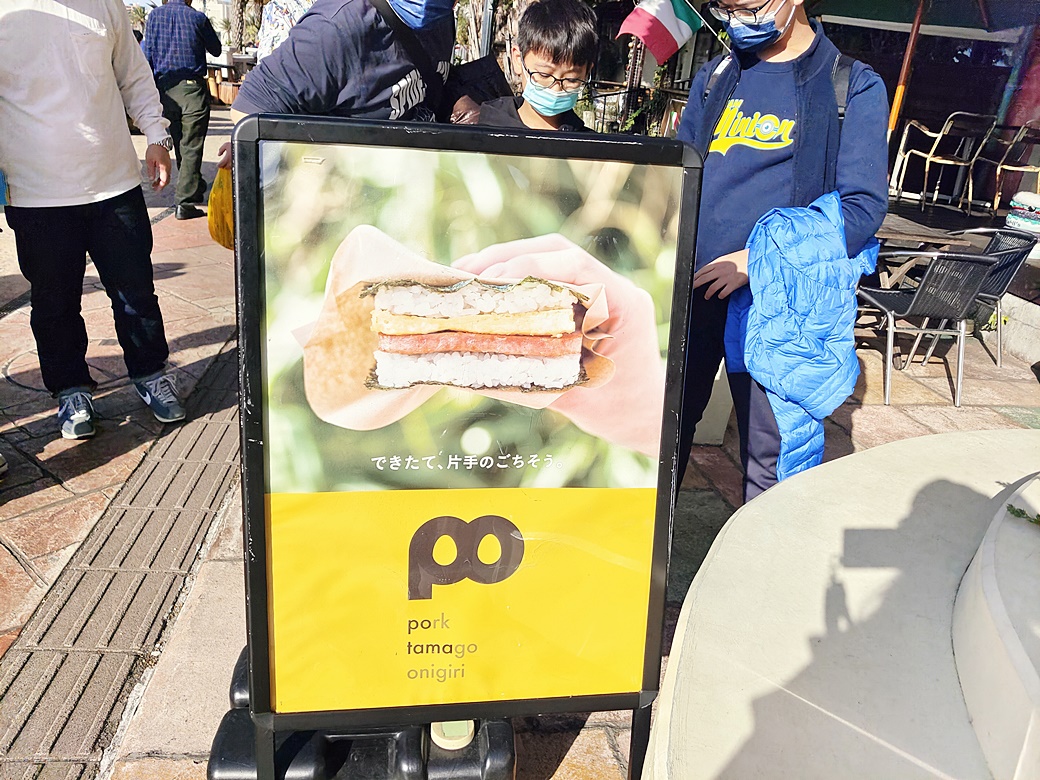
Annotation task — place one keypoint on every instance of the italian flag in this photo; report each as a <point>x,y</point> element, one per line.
<point>663,25</point>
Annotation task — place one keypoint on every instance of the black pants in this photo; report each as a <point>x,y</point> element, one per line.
<point>186,105</point>
<point>704,352</point>
<point>53,244</point>
<point>759,435</point>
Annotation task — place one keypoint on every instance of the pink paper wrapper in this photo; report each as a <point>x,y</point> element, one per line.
<point>338,348</point>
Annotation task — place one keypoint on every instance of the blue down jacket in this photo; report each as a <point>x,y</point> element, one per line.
<point>791,327</point>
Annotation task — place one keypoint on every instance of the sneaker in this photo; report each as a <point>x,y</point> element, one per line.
<point>160,393</point>
<point>76,415</point>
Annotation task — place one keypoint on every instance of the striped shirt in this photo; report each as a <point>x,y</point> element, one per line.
<point>175,43</point>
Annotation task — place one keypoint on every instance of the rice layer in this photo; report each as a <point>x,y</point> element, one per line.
<point>474,298</point>
<point>475,369</point>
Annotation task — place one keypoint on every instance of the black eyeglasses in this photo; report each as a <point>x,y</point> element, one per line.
<point>548,80</point>
<point>742,15</point>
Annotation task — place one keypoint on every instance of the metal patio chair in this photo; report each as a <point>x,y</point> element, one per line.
<point>1016,157</point>
<point>946,292</point>
<point>1009,248</point>
<point>970,132</point>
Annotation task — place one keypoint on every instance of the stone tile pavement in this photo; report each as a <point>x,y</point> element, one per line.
<point>55,489</point>
<point>168,691</point>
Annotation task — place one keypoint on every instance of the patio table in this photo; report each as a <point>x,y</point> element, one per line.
<point>903,230</point>
<point>907,232</point>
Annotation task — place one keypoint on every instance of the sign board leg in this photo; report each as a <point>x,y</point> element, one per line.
<point>640,741</point>
<point>265,762</point>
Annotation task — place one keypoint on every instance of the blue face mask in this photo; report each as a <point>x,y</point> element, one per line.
<point>548,102</point>
<point>755,37</point>
<point>421,13</point>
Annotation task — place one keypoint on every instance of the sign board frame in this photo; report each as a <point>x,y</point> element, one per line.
<point>250,288</point>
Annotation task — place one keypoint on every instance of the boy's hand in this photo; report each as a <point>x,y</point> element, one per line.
<point>225,155</point>
<point>225,148</point>
<point>724,274</point>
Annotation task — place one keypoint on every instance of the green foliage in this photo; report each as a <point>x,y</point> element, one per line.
<point>1015,511</point>
<point>652,106</point>
<point>139,14</point>
<point>250,28</point>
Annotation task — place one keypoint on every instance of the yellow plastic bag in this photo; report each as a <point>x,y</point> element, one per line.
<point>221,210</point>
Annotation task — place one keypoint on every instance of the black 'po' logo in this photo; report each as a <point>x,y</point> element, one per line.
<point>424,572</point>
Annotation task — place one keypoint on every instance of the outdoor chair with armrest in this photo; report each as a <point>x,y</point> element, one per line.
<point>1016,157</point>
<point>1009,248</point>
<point>971,132</point>
<point>946,292</point>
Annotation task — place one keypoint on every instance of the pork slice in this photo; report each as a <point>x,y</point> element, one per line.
<point>453,341</point>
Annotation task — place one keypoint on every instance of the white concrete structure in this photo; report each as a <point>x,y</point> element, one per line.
<point>996,639</point>
<point>816,639</point>
<point>712,427</point>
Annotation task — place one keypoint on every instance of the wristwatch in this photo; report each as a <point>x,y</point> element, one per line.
<point>166,143</point>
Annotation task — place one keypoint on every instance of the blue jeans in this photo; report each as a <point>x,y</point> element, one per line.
<point>53,244</point>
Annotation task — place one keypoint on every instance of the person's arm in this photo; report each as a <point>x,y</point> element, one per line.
<point>307,72</point>
<point>210,39</point>
<point>862,171</point>
<point>722,275</point>
<point>692,114</point>
<point>224,152</point>
<point>140,97</point>
<point>135,81</point>
<point>266,36</point>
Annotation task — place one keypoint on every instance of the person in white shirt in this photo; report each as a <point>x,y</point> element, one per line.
<point>70,72</point>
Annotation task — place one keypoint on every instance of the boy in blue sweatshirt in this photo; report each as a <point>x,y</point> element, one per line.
<point>765,120</point>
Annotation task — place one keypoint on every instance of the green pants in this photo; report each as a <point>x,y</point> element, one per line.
<point>186,105</point>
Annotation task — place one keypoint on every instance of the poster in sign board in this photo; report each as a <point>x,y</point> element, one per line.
<point>463,404</point>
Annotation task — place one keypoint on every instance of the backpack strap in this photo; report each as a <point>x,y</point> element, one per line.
<point>714,77</point>
<point>841,74</point>
<point>416,53</point>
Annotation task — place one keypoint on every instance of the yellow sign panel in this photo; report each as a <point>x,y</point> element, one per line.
<point>413,597</point>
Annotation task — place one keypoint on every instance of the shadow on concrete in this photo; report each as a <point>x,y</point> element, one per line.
<point>162,271</point>
<point>215,335</point>
<point>699,516</point>
<point>877,682</point>
<point>543,742</point>
<point>38,457</point>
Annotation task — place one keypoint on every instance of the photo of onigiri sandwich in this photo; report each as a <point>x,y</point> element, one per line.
<point>477,334</point>
<point>391,337</point>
